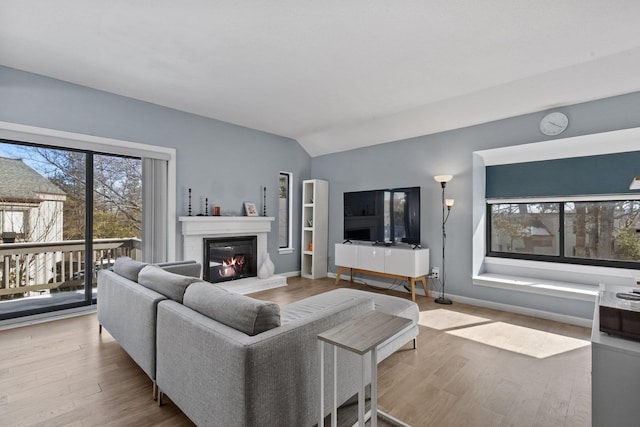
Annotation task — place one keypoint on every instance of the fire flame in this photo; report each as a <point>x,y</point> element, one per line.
<point>236,262</point>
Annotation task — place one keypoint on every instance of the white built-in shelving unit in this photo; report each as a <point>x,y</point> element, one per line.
<point>315,228</point>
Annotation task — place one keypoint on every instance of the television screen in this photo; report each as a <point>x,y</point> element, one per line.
<point>384,216</point>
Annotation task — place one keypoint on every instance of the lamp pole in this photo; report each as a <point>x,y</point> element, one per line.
<point>446,203</point>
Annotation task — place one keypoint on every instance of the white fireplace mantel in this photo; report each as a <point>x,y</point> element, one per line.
<point>197,228</point>
<point>225,225</point>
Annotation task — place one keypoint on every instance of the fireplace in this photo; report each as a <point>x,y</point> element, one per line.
<point>230,258</point>
<point>197,229</point>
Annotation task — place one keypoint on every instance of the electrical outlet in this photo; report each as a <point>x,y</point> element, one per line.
<point>435,272</point>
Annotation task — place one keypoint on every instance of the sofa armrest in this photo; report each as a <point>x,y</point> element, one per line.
<point>128,312</point>
<point>214,372</point>
<point>189,268</point>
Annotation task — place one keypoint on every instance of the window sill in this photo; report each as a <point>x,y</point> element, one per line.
<point>560,289</point>
<point>284,251</point>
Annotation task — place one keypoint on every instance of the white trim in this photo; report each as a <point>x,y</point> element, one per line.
<point>50,316</point>
<point>618,141</point>
<point>554,288</point>
<point>589,270</point>
<point>52,137</point>
<point>289,249</point>
<point>172,212</point>
<point>250,285</point>
<point>563,318</point>
<point>291,274</point>
<point>587,198</point>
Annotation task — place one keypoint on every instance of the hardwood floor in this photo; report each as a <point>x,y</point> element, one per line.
<point>473,367</point>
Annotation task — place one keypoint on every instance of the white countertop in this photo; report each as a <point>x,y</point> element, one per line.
<point>609,341</point>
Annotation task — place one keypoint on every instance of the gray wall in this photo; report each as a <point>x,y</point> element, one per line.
<point>226,163</point>
<point>415,161</point>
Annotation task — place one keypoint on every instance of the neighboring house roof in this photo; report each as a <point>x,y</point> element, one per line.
<point>19,182</point>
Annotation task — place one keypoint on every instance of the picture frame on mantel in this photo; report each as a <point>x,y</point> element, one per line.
<point>250,209</point>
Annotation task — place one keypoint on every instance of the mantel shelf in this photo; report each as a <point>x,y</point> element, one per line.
<point>223,218</point>
<point>205,225</point>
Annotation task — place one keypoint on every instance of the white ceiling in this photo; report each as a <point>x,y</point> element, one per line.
<point>334,75</point>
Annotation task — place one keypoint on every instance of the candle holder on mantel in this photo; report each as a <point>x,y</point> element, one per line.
<point>206,202</point>
<point>264,201</point>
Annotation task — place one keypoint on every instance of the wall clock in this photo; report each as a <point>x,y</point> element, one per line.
<point>554,123</point>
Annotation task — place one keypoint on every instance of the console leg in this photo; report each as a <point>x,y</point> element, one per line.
<point>99,329</point>
<point>413,289</point>
<point>424,286</point>
<point>154,391</point>
<point>160,397</point>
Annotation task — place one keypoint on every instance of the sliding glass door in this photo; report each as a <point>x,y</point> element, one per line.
<point>117,210</point>
<point>64,215</point>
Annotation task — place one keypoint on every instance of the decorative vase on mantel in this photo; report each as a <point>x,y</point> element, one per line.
<point>266,268</point>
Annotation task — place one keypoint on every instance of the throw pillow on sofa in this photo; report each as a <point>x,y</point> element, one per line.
<point>171,285</point>
<point>240,312</point>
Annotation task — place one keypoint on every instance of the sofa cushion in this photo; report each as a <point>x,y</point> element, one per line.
<point>240,312</point>
<point>128,268</point>
<point>169,284</point>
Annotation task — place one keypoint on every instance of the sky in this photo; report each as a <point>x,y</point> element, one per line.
<point>26,153</point>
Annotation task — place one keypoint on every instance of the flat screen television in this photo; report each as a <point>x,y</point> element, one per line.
<point>388,216</point>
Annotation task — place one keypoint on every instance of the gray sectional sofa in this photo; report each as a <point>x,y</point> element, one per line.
<point>128,310</point>
<point>230,360</point>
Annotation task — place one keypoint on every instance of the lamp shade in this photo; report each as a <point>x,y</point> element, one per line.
<point>443,178</point>
<point>449,203</point>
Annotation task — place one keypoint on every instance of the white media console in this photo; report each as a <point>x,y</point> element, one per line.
<point>397,262</point>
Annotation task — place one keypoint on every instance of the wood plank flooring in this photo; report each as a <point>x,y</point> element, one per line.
<point>473,367</point>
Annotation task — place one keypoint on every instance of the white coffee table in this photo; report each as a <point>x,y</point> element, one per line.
<point>360,335</point>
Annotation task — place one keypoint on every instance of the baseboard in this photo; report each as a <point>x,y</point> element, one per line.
<point>563,318</point>
<point>290,274</point>
<point>46,317</point>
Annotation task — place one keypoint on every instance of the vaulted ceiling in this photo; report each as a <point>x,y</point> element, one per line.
<point>334,75</point>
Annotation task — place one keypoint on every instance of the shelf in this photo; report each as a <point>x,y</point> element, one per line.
<point>315,202</point>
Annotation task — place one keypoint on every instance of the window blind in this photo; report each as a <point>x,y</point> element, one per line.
<point>589,175</point>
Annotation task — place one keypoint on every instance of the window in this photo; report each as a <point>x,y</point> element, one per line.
<point>603,233</point>
<point>12,222</point>
<point>525,228</point>
<point>606,230</point>
<point>285,204</point>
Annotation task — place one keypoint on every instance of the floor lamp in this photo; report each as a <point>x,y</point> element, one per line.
<point>448,204</point>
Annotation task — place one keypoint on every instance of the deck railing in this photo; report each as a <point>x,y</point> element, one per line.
<point>56,266</point>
